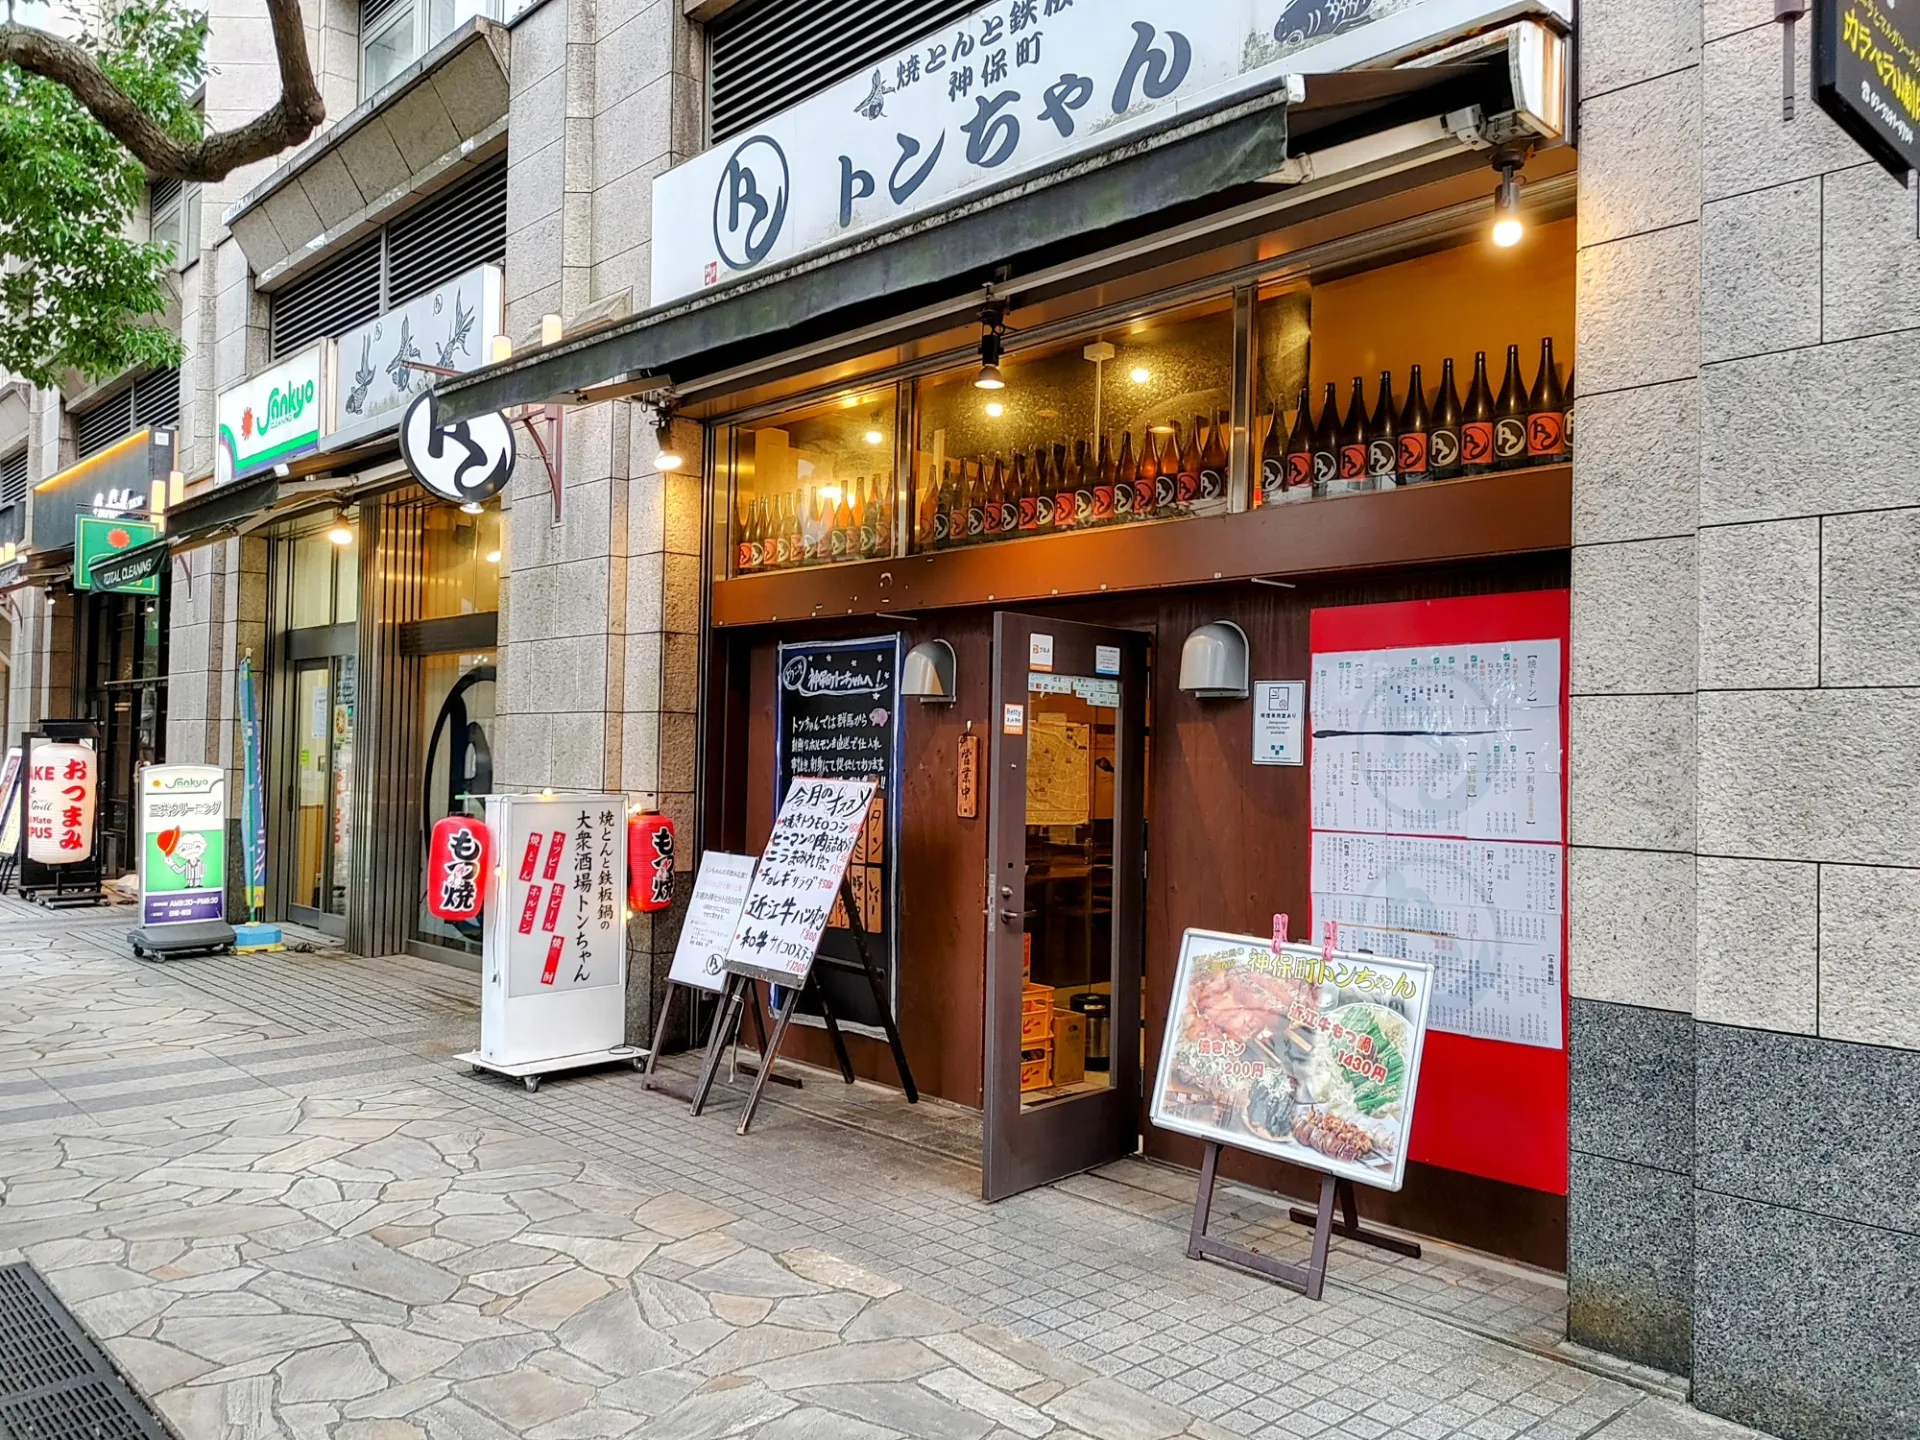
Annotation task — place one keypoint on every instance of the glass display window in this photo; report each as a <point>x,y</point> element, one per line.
<point>1127,424</point>
<point>815,486</point>
<point>1444,365</point>
<point>461,566</point>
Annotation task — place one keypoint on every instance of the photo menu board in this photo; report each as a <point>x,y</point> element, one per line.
<point>837,717</point>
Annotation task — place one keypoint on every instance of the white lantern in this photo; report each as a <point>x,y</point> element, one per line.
<point>60,797</point>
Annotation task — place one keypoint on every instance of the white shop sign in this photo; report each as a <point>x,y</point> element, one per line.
<point>276,416</point>
<point>555,954</point>
<point>450,328</point>
<point>1015,88</point>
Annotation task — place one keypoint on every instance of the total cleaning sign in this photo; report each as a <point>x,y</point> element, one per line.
<point>276,416</point>
<point>183,852</point>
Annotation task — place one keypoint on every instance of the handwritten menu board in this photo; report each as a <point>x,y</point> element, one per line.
<point>837,717</point>
<point>794,890</point>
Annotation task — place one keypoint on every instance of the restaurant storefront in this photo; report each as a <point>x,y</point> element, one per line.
<point>1005,472</point>
<point>113,633</point>
<point>380,616</point>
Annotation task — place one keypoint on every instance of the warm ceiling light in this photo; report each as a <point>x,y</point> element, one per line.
<point>493,557</point>
<point>995,409</point>
<point>1508,228</point>
<point>340,532</point>
<point>472,507</point>
<point>874,437</point>
<point>1141,375</point>
<point>829,493</point>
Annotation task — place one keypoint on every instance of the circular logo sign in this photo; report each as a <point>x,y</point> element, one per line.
<point>795,675</point>
<point>750,207</point>
<point>465,462</point>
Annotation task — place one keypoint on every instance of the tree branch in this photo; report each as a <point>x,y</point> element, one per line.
<point>292,118</point>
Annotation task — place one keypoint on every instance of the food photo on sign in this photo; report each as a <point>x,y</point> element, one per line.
<point>1294,1053</point>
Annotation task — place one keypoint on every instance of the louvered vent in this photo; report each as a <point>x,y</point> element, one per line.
<point>763,57</point>
<point>156,401</point>
<point>371,11</point>
<point>458,229</point>
<point>461,227</point>
<point>13,478</point>
<point>162,193</point>
<point>111,420</point>
<point>334,298</point>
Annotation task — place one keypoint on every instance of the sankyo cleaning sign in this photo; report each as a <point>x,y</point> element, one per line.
<point>183,850</point>
<point>278,415</point>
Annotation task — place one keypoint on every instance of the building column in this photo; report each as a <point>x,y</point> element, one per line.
<point>1745,870</point>
<point>1630,1263</point>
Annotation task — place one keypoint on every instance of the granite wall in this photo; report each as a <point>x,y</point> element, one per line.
<point>1746,641</point>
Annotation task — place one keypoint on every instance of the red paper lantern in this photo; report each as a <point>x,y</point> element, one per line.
<point>649,861</point>
<point>457,868</point>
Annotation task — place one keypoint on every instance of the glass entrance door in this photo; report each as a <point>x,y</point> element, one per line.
<point>1066,858</point>
<point>320,765</point>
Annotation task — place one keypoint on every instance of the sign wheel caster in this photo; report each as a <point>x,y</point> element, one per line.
<point>532,1082</point>
<point>639,1062</point>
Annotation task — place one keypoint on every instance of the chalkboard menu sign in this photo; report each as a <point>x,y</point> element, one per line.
<point>837,717</point>
<point>1866,75</point>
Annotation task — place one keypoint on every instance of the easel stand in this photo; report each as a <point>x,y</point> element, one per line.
<point>651,1080</point>
<point>1309,1279</point>
<point>742,992</point>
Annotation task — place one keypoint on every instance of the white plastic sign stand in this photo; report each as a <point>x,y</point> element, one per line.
<point>554,985</point>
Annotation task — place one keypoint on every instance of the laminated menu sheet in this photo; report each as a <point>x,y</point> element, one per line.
<point>1437,818</point>
<point>1446,740</point>
<point>1486,915</point>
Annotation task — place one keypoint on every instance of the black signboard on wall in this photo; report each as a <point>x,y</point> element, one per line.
<point>1866,75</point>
<point>837,717</point>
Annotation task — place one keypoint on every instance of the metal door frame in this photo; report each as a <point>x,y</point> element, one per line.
<point>1024,1148</point>
<point>328,661</point>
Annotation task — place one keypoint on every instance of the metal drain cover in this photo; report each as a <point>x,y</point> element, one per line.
<point>55,1382</point>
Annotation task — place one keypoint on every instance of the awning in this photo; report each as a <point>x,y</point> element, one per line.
<point>1200,181</point>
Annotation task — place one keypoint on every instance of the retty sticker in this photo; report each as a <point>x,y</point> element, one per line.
<point>1014,721</point>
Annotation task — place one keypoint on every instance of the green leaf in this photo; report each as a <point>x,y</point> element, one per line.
<point>78,289</point>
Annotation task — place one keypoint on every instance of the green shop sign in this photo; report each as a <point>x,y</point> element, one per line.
<point>276,416</point>
<point>98,548</point>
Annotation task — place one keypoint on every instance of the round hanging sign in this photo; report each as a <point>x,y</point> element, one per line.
<point>465,462</point>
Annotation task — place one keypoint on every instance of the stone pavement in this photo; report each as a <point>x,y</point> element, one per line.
<point>264,1184</point>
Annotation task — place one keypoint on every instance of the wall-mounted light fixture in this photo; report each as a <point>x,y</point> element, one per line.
<point>1213,662</point>
<point>928,674</point>
<point>669,459</point>
<point>341,531</point>
<point>1508,227</point>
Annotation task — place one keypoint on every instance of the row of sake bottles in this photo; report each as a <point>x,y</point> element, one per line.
<point>824,526</point>
<point>1442,439</point>
<point>1055,490</point>
<point>1180,472</point>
